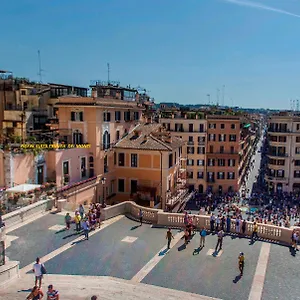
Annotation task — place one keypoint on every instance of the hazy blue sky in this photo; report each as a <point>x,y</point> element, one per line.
<point>179,50</point>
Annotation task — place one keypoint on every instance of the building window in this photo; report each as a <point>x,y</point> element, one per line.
<point>297,150</point>
<point>115,158</point>
<point>200,162</point>
<point>83,166</point>
<point>134,160</point>
<point>121,159</point>
<point>232,150</point>
<point>201,139</point>
<point>232,126</point>
<point>298,126</point>
<point>222,137</point>
<point>297,162</point>
<point>133,186</point>
<point>66,172</point>
<point>23,92</point>
<point>221,149</point>
<point>231,162</point>
<point>117,135</point>
<point>106,140</point>
<point>191,139</point>
<point>190,162</point>
<point>77,137</point>
<point>282,139</point>
<point>191,128</point>
<point>211,149</point>
<point>222,126</point>
<point>232,138</point>
<point>210,176</point>
<point>201,128</point>
<point>200,175</point>
<point>297,139</point>
<point>201,150</point>
<point>121,185</point>
<point>280,173</point>
<point>170,160</point>
<point>211,162</point>
<point>221,162</point>
<point>117,116</point>
<point>190,174</point>
<point>230,175</point>
<point>105,164</point>
<point>212,126</point>
<point>221,175</point>
<point>127,116</point>
<point>297,174</point>
<point>77,116</point>
<point>212,137</point>
<point>136,115</point>
<point>190,150</point>
<point>106,116</point>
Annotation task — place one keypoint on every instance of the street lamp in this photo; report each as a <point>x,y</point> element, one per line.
<point>103,180</point>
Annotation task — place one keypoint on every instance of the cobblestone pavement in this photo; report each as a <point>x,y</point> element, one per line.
<point>124,248</point>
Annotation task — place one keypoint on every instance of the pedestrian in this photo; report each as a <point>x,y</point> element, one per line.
<point>212,222</point>
<point>237,225</point>
<point>77,220</point>
<point>98,215</point>
<point>241,263</point>
<point>86,228</point>
<point>244,227</point>
<point>68,220</point>
<point>203,234</point>
<point>35,294</point>
<point>169,237</point>
<point>81,211</point>
<point>141,214</point>
<point>254,233</point>
<point>186,236</point>
<point>52,294</point>
<point>38,270</point>
<point>228,223</point>
<point>220,241</point>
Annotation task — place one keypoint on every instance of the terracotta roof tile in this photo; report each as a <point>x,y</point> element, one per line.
<point>149,137</point>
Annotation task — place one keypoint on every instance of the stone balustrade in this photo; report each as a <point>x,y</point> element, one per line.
<point>158,217</point>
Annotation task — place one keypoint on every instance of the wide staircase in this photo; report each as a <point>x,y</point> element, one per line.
<point>105,288</point>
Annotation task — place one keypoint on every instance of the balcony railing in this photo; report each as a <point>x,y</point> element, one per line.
<point>278,154</point>
<point>273,178</point>
<point>279,130</point>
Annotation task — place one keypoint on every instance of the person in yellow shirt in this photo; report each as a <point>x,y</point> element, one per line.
<point>254,233</point>
<point>77,220</point>
<point>241,263</point>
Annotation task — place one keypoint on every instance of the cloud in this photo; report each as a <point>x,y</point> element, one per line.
<point>261,6</point>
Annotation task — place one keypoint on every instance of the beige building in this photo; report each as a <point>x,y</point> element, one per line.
<point>283,173</point>
<point>191,128</point>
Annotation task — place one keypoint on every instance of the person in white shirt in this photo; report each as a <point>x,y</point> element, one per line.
<point>37,270</point>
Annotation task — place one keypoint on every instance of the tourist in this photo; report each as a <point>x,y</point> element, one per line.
<point>38,270</point>
<point>244,226</point>
<point>212,222</point>
<point>98,215</point>
<point>52,294</point>
<point>186,236</point>
<point>254,233</point>
<point>169,237</point>
<point>228,223</point>
<point>241,259</point>
<point>237,225</point>
<point>68,220</point>
<point>218,222</point>
<point>141,214</point>
<point>77,220</point>
<point>86,228</point>
<point>220,240</point>
<point>81,211</point>
<point>203,234</point>
<point>35,294</point>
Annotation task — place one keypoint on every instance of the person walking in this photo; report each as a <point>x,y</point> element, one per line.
<point>35,294</point>
<point>220,240</point>
<point>81,211</point>
<point>141,215</point>
<point>244,226</point>
<point>241,259</point>
<point>38,270</point>
<point>52,294</point>
<point>77,220</point>
<point>228,223</point>
<point>212,222</point>
<point>237,225</point>
<point>254,233</point>
<point>203,234</point>
<point>169,237</point>
<point>68,221</point>
<point>86,228</point>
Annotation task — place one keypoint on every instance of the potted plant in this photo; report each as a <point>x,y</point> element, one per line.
<point>49,193</point>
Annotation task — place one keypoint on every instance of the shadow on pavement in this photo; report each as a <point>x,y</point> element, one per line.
<point>215,254</point>
<point>237,279</point>
<point>60,231</point>
<point>197,250</point>
<point>182,247</point>
<point>73,234</point>
<point>163,252</point>
<point>135,227</point>
<point>78,242</point>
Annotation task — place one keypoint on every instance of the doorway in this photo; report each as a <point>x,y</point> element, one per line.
<point>40,174</point>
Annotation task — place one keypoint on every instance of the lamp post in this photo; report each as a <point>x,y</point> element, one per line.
<point>103,180</point>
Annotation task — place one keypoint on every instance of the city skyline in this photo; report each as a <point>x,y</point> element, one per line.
<point>160,46</point>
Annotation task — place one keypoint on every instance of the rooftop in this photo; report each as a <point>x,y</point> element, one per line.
<point>149,137</point>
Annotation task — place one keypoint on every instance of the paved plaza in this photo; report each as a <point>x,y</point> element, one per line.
<point>131,255</point>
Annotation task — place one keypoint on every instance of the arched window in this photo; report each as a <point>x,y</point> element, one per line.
<point>77,137</point>
<point>106,140</point>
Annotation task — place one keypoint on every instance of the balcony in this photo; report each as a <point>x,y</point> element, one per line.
<point>278,130</point>
<point>276,179</point>
<point>190,143</point>
<point>277,154</point>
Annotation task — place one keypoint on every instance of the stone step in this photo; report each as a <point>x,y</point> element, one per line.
<point>105,288</point>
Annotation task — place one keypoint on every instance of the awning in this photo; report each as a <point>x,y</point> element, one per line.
<point>23,188</point>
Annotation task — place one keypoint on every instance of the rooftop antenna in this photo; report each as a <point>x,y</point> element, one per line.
<point>40,67</point>
<point>218,96</point>
<point>223,94</point>
<point>108,71</point>
<point>208,97</point>
<point>294,106</point>
<point>291,104</point>
<point>297,107</point>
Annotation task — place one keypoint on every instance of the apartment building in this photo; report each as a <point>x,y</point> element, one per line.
<point>191,128</point>
<point>283,173</point>
<point>147,165</point>
<point>100,122</point>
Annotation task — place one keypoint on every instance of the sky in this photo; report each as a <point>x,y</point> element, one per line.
<point>180,51</point>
